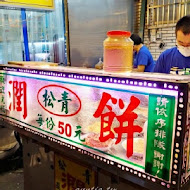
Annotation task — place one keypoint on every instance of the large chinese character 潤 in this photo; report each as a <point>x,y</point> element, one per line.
<point>19,97</point>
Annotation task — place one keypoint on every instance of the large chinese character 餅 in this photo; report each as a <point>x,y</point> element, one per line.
<point>128,116</point>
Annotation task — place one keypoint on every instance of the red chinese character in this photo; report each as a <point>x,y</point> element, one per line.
<point>71,182</point>
<point>19,96</point>
<point>64,178</point>
<point>80,184</point>
<point>128,117</point>
<point>109,115</point>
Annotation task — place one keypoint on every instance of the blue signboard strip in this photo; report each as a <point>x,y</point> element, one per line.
<point>25,35</point>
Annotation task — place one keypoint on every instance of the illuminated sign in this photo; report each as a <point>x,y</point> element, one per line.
<point>71,175</point>
<point>124,124</point>
<point>159,135</point>
<point>39,4</point>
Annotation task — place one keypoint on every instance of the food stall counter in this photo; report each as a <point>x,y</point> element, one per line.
<point>132,125</point>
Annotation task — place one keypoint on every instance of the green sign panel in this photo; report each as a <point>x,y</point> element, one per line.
<point>159,135</point>
<point>2,93</point>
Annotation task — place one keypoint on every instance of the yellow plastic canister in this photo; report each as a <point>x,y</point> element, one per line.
<point>118,52</point>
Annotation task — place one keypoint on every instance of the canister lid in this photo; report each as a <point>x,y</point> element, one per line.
<point>119,33</point>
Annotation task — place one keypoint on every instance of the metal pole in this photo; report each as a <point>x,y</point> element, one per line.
<point>174,12</point>
<point>142,18</point>
<point>66,30</point>
<point>25,34</point>
<point>157,16</point>
<point>163,12</point>
<point>168,19</point>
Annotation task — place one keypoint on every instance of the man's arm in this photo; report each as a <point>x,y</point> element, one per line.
<point>142,62</point>
<point>140,68</point>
